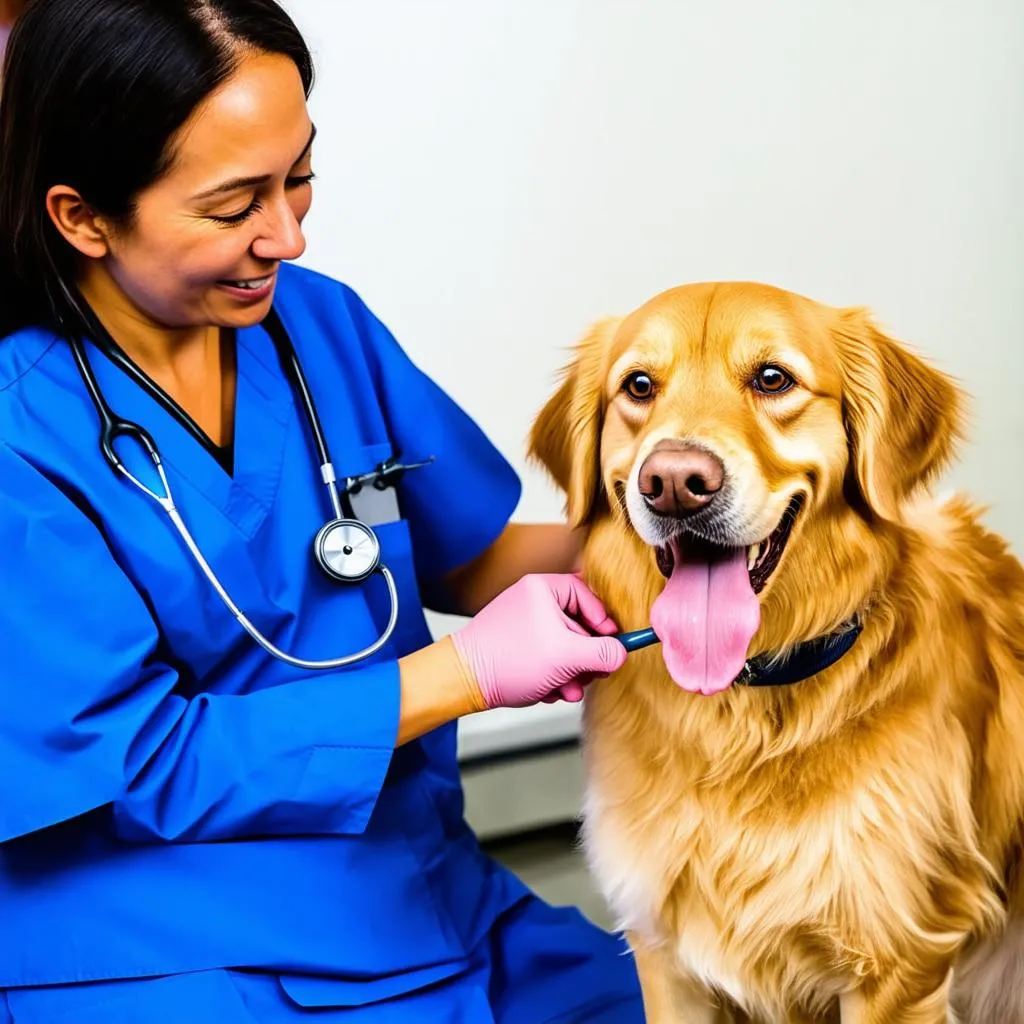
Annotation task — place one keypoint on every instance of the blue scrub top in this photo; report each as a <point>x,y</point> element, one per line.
<point>174,799</point>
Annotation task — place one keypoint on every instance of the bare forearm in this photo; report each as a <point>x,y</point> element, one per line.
<point>436,689</point>
<point>522,548</point>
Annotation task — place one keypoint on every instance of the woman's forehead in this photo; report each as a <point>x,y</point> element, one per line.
<point>255,123</point>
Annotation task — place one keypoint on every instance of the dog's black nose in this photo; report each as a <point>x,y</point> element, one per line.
<point>678,479</point>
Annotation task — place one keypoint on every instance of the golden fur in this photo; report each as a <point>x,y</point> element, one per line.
<point>848,841</point>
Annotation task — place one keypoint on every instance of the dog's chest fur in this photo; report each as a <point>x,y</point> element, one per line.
<point>773,898</point>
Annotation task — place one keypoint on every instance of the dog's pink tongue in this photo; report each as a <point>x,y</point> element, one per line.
<point>705,619</point>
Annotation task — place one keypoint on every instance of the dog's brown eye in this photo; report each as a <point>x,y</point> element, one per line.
<point>639,386</point>
<point>770,380</point>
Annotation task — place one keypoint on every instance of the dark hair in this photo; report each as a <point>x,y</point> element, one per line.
<point>93,92</point>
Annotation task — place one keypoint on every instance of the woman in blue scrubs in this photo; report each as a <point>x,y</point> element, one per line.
<point>193,828</point>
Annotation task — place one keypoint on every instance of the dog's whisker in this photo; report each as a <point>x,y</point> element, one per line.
<point>620,507</point>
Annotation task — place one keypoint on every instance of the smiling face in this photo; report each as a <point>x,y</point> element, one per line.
<point>722,413</point>
<point>207,237</point>
<point>720,425</point>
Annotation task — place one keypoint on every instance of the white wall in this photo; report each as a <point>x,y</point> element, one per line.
<point>495,174</point>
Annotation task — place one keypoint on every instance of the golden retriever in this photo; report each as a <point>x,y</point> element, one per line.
<point>850,844</point>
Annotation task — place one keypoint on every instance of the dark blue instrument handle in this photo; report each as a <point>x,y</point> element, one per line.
<point>637,639</point>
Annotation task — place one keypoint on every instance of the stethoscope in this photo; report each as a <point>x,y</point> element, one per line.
<point>345,548</point>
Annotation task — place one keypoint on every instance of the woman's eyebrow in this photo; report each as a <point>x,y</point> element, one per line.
<point>233,184</point>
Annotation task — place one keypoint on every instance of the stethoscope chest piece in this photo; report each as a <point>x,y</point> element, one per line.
<point>347,550</point>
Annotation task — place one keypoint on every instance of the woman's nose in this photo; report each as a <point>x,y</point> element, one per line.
<point>281,237</point>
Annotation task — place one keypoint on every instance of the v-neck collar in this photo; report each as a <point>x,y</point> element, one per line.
<point>263,403</point>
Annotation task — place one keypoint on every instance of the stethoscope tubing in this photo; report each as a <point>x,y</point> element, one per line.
<point>113,426</point>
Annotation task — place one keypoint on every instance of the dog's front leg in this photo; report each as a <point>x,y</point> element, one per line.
<point>670,998</point>
<point>921,998</point>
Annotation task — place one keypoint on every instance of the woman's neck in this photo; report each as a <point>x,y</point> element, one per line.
<point>153,347</point>
<point>195,365</point>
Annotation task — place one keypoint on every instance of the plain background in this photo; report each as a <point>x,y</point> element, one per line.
<point>494,175</point>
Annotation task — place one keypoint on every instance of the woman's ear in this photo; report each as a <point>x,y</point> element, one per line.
<point>565,437</point>
<point>77,222</point>
<point>903,417</point>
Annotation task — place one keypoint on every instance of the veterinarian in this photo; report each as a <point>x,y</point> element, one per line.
<point>227,742</point>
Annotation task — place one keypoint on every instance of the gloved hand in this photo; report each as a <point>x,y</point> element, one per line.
<point>534,642</point>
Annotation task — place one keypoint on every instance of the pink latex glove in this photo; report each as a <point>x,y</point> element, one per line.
<point>534,642</point>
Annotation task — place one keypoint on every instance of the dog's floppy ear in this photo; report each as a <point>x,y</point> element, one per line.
<point>903,417</point>
<point>565,437</point>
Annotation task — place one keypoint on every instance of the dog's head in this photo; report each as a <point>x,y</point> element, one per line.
<point>754,441</point>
